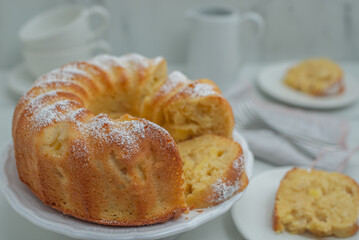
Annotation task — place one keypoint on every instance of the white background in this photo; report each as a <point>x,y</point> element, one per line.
<point>295,28</point>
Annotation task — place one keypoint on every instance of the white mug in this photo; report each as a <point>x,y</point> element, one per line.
<point>39,62</point>
<point>63,27</point>
<point>214,42</point>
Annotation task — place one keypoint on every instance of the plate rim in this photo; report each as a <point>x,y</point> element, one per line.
<point>280,173</point>
<point>69,231</point>
<point>234,211</point>
<point>322,104</point>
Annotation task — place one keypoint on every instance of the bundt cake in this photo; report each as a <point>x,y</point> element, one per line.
<point>213,170</point>
<point>88,139</point>
<point>317,77</point>
<point>317,201</point>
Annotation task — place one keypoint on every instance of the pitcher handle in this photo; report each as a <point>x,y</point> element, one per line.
<point>103,14</point>
<point>257,19</point>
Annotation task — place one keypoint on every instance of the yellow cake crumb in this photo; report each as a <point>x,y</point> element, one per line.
<point>213,170</point>
<point>317,201</point>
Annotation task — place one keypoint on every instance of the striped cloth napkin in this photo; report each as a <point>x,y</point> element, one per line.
<point>268,142</point>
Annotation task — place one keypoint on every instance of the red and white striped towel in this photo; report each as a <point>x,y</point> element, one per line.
<point>268,144</point>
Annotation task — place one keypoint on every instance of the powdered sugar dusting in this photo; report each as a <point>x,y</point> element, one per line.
<point>71,68</point>
<point>200,90</point>
<point>127,134</point>
<point>57,83</point>
<point>56,75</point>
<point>158,60</point>
<point>78,113</point>
<point>75,117</point>
<point>238,164</point>
<point>42,112</point>
<point>174,80</point>
<point>79,149</point>
<point>105,61</point>
<point>224,191</point>
<point>104,129</point>
<point>134,60</point>
<point>46,115</point>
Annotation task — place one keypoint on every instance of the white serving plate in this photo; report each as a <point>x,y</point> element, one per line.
<point>252,215</point>
<point>270,81</point>
<point>27,205</point>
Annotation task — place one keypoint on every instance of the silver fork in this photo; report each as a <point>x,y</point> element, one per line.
<point>247,113</point>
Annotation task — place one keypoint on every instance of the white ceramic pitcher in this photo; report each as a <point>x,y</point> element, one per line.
<point>214,42</point>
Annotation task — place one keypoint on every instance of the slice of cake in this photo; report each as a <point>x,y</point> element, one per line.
<point>318,77</point>
<point>213,170</point>
<point>317,201</point>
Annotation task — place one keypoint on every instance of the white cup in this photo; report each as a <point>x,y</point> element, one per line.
<point>62,27</point>
<point>214,42</point>
<point>39,62</point>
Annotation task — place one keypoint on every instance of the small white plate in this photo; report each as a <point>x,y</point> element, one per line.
<point>252,215</point>
<point>20,80</point>
<point>270,81</point>
<point>27,205</point>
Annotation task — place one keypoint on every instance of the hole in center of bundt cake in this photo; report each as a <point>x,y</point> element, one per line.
<point>113,105</point>
<point>133,87</point>
<point>191,117</point>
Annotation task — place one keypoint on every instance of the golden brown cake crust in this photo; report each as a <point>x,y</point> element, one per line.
<point>318,202</point>
<point>197,109</point>
<point>80,153</point>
